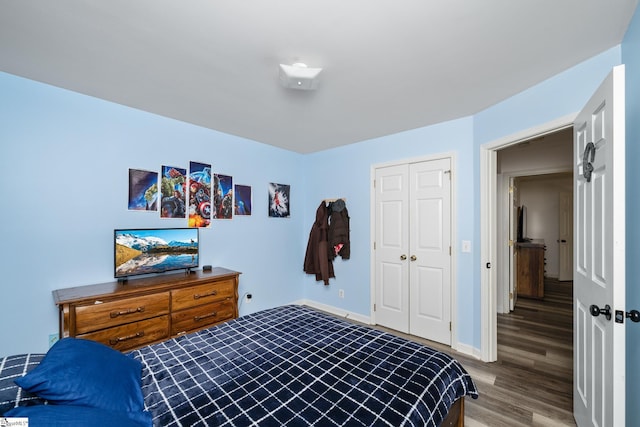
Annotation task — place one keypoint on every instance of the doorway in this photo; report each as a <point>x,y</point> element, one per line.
<point>543,193</point>
<point>493,219</point>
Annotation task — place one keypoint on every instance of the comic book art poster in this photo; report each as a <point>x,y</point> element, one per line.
<point>279,200</point>
<point>242,195</point>
<point>173,186</point>
<point>200,209</point>
<point>223,196</point>
<point>143,190</point>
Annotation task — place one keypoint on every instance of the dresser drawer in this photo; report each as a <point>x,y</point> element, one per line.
<point>202,294</point>
<point>132,335</point>
<point>201,316</point>
<point>102,315</point>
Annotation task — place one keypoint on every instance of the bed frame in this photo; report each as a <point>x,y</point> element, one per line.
<point>455,416</point>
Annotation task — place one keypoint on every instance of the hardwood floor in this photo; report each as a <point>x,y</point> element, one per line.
<point>531,383</point>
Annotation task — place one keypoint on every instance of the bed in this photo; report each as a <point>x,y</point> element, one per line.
<point>296,366</point>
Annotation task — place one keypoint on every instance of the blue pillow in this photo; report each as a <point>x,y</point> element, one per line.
<point>87,373</point>
<point>75,416</point>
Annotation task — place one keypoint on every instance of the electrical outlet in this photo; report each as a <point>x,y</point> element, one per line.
<point>248,298</point>
<point>53,338</point>
<point>341,293</point>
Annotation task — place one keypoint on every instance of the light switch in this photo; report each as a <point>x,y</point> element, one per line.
<point>466,246</point>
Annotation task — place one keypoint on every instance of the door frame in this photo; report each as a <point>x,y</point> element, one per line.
<point>489,231</point>
<point>505,257</point>
<point>454,221</point>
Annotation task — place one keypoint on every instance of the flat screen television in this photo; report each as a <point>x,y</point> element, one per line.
<point>154,250</point>
<point>522,224</point>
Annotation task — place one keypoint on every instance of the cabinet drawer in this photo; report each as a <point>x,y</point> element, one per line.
<point>202,294</point>
<point>113,313</point>
<point>201,316</point>
<point>132,335</point>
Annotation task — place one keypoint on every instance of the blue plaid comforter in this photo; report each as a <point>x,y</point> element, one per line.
<point>296,366</point>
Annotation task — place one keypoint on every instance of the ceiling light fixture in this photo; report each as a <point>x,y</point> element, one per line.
<point>299,76</point>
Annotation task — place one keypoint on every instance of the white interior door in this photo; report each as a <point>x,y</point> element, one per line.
<point>599,270</point>
<point>391,247</point>
<point>430,250</point>
<point>565,237</point>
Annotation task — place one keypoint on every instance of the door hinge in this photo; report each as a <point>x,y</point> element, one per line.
<point>374,307</point>
<point>374,246</point>
<point>510,295</point>
<point>511,189</point>
<point>448,173</point>
<point>449,326</point>
<point>511,242</point>
<point>449,250</point>
<point>374,183</point>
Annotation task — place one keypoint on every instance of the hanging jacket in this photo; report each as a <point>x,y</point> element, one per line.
<point>339,243</point>
<point>316,260</point>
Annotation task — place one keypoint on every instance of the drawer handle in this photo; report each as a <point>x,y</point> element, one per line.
<point>204,316</point>
<point>114,341</point>
<point>115,314</point>
<point>210,294</point>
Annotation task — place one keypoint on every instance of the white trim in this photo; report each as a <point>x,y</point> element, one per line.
<point>465,349</point>
<point>469,350</point>
<point>488,231</point>
<point>334,310</point>
<point>454,221</point>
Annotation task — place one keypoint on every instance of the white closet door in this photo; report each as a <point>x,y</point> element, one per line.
<point>412,248</point>
<point>392,268</point>
<point>430,250</point>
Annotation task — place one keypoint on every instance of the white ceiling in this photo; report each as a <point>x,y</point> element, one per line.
<point>388,66</point>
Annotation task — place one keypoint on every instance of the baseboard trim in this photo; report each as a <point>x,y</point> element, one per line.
<point>465,349</point>
<point>335,311</point>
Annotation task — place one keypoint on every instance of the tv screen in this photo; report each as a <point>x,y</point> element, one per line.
<point>154,250</point>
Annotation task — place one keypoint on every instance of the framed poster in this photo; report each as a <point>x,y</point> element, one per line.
<point>143,190</point>
<point>199,195</point>
<point>279,196</point>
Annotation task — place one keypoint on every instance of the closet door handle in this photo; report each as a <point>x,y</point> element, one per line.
<point>403,257</point>
<point>413,258</point>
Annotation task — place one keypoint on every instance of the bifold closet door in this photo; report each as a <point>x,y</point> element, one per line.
<point>412,248</point>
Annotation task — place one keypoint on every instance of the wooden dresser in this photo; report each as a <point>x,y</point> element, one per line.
<point>530,269</point>
<point>131,314</point>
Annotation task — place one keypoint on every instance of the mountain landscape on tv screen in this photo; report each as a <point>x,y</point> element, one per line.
<point>136,254</point>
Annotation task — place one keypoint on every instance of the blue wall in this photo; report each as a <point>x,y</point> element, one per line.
<point>65,159</point>
<point>631,59</point>
<point>346,172</point>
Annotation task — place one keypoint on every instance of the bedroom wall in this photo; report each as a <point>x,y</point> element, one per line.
<point>346,172</point>
<point>631,59</point>
<point>64,159</point>
<point>560,95</point>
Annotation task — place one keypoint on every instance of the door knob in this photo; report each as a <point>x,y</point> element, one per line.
<point>597,311</point>
<point>403,257</point>
<point>633,315</point>
<point>413,258</point>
